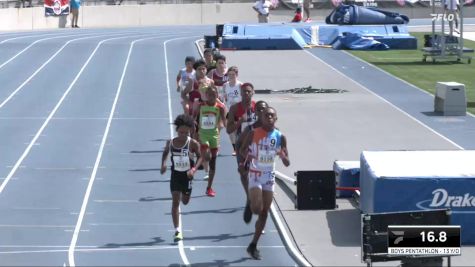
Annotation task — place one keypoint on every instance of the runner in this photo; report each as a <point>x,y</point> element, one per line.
<point>232,95</point>
<point>242,115</point>
<point>195,90</point>
<point>261,147</point>
<point>219,75</point>
<point>243,166</point>
<point>210,115</point>
<point>187,72</point>
<point>209,59</point>
<point>182,168</point>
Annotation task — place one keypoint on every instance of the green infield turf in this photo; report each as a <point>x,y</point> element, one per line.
<point>408,65</point>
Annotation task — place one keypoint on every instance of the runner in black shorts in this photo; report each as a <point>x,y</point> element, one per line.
<point>181,148</point>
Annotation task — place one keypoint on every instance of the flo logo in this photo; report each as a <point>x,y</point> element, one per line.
<point>446,17</point>
<point>442,199</point>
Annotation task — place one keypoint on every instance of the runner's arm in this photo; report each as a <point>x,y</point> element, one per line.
<point>195,148</point>
<point>222,115</point>
<point>284,153</point>
<point>187,90</point>
<point>244,148</point>
<point>163,168</point>
<point>232,125</point>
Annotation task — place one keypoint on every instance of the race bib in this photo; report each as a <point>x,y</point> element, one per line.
<point>208,122</point>
<point>182,164</point>
<point>233,96</point>
<point>266,158</point>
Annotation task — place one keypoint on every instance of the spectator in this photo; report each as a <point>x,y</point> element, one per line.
<point>306,9</point>
<point>75,4</point>
<point>298,15</point>
<point>209,59</point>
<point>24,1</point>
<point>262,8</point>
<point>451,8</point>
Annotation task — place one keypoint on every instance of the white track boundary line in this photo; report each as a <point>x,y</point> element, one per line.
<point>35,42</point>
<point>99,156</point>
<point>27,36</point>
<point>181,247</point>
<point>53,112</point>
<point>406,82</point>
<point>389,103</point>
<point>44,65</point>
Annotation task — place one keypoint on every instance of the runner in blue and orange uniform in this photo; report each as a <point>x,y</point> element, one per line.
<point>262,146</point>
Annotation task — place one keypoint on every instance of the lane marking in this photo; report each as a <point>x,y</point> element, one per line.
<point>389,103</point>
<point>400,79</point>
<point>53,112</point>
<point>35,42</point>
<point>46,63</point>
<point>27,36</point>
<point>79,118</point>
<point>170,119</point>
<point>99,156</point>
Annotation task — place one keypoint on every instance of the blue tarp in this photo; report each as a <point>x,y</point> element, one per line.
<point>356,41</point>
<point>357,15</point>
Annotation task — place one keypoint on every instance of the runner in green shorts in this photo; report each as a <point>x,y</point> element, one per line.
<point>211,114</point>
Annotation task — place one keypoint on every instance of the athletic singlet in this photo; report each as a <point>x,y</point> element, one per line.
<point>218,79</point>
<point>209,118</point>
<point>202,87</point>
<point>180,156</point>
<point>233,93</point>
<point>249,116</point>
<point>263,151</point>
<point>184,76</point>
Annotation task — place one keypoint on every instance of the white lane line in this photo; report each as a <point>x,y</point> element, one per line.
<point>397,78</point>
<point>27,36</point>
<point>96,249</point>
<point>181,248</point>
<point>35,42</point>
<point>77,118</point>
<point>40,131</point>
<point>46,63</point>
<point>98,158</point>
<point>389,103</point>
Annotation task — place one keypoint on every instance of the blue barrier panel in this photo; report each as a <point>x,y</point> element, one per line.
<point>421,180</point>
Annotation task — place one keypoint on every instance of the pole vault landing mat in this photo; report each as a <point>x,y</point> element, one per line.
<point>285,36</point>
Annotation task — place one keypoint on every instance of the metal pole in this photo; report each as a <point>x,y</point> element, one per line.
<point>461,30</point>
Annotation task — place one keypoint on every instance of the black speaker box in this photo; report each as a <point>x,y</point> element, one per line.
<point>219,30</point>
<point>316,190</point>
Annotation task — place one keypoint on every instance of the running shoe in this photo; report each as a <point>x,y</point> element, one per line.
<point>247,216</point>
<point>206,177</point>
<point>253,251</point>
<point>210,192</point>
<point>178,236</point>
<point>308,20</point>
<point>234,153</point>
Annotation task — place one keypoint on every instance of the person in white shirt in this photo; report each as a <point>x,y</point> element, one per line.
<point>232,95</point>
<point>262,8</point>
<point>451,13</point>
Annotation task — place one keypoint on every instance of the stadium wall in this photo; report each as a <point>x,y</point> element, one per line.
<point>163,14</point>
